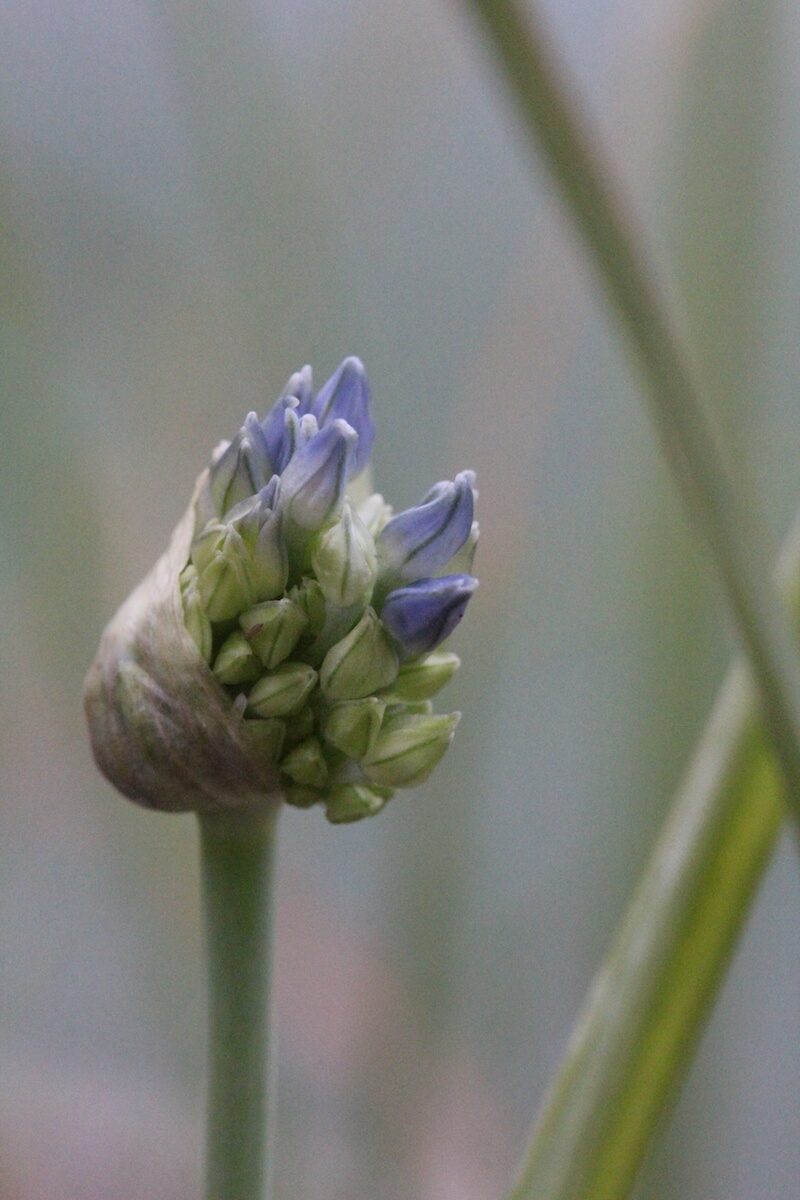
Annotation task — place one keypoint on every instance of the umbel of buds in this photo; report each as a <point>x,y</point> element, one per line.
<point>287,645</point>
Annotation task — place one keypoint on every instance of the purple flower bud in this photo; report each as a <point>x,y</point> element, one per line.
<point>313,483</point>
<point>423,614</point>
<point>421,541</point>
<point>243,467</point>
<point>347,395</point>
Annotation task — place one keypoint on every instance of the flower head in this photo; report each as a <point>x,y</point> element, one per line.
<point>287,645</point>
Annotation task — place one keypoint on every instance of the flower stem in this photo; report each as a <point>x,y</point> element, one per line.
<point>237,853</point>
<point>738,548</point>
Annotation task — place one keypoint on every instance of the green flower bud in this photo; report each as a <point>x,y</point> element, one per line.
<point>352,725</point>
<point>226,584</point>
<point>197,623</point>
<point>361,663</point>
<point>351,801</point>
<point>306,764</point>
<point>300,796</point>
<point>309,597</point>
<point>299,726</point>
<point>261,530</point>
<point>273,629</point>
<point>206,544</point>
<point>408,748</point>
<point>344,560</point>
<point>422,678</point>
<point>236,662</point>
<point>269,735</point>
<point>283,691</point>
<point>413,706</point>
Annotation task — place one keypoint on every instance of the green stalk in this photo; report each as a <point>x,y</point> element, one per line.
<point>646,1008</point>
<point>709,488</point>
<point>237,856</point>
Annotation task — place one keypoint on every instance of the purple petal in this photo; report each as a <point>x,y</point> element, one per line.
<point>347,395</point>
<point>423,614</point>
<point>312,486</point>
<point>421,541</point>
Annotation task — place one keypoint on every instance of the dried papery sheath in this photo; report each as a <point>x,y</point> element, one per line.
<point>287,644</point>
<point>162,728</point>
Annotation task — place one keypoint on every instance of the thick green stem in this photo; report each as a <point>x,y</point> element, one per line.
<point>646,1009</point>
<point>237,858</point>
<point>710,489</point>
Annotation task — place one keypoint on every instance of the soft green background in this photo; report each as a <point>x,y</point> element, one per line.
<point>196,199</point>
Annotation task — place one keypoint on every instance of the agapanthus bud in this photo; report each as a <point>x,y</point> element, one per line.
<point>226,584</point>
<point>283,691</point>
<point>408,748</point>
<point>361,663</point>
<point>273,629</point>
<point>236,664</point>
<point>243,467</point>
<point>352,725</point>
<point>347,395</point>
<point>420,616</point>
<point>352,801</point>
<point>297,396</point>
<point>261,658</point>
<point>418,543</point>
<point>305,764</point>
<point>344,561</point>
<point>259,522</point>
<point>422,679</point>
<point>312,486</point>
<point>270,735</point>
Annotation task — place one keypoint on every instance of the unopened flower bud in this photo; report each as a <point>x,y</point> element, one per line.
<point>347,395</point>
<point>361,663</point>
<point>299,727</point>
<point>243,467</point>
<point>269,734</point>
<point>408,748</point>
<point>260,658</point>
<point>236,664</point>
<point>421,615</point>
<point>423,678</point>
<point>226,584</point>
<point>352,801</point>
<point>305,764</point>
<point>313,483</point>
<point>300,796</point>
<point>352,725</point>
<point>273,629</point>
<point>344,560</point>
<point>309,597</point>
<point>419,542</point>
<point>283,691</point>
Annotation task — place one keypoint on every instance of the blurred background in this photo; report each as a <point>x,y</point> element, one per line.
<point>195,200</point>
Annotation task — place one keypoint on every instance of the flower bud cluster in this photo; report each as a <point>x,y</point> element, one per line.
<point>323,618</point>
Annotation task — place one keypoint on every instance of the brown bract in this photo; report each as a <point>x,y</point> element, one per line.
<point>162,729</point>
